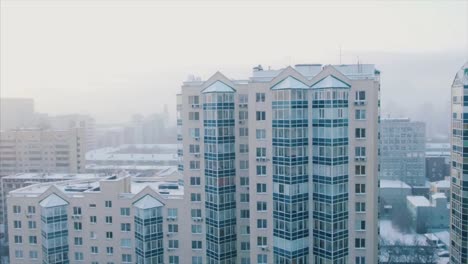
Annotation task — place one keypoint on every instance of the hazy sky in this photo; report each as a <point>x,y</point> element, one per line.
<point>115,58</point>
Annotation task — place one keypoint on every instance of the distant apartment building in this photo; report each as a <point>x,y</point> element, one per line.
<point>402,154</point>
<point>46,151</point>
<point>459,169</point>
<point>111,220</point>
<point>429,215</point>
<point>16,113</point>
<point>65,122</point>
<point>283,165</point>
<point>393,195</point>
<point>437,161</point>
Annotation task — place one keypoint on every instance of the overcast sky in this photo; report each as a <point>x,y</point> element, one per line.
<point>112,59</point>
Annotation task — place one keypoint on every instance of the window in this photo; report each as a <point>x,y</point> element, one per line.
<point>194,148</point>
<point>244,164</point>
<point>17,224</point>
<point>108,219</point>
<point>360,95</point>
<point>79,256</point>
<point>243,98</point>
<point>31,209</point>
<point>18,240</point>
<point>360,133</point>
<point>33,240</point>
<point>260,97</point>
<point>77,226</point>
<point>261,241</point>
<point>197,260</point>
<point>360,207</point>
<point>245,260</point>
<point>126,243</point>
<point>173,244</point>
<point>194,133</point>
<point>92,205</point>
<point>196,229</point>
<point>243,148</point>
<point>92,235</point>
<point>245,246</point>
<point>33,254</point>
<point>243,115</point>
<point>173,259</point>
<point>195,212</point>
<point>93,219</point>
<point>260,115</point>
<point>244,132</point>
<point>261,152</point>
<point>94,250</point>
<point>260,134</point>
<point>360,243</point>
<point>109,235</point>
<point>245,230</point>
<point>361,225</point>
<point>16,209</point>
<point>360,188</point>
<point>261,206</point>
<point>360,152</point>
<point>261,188</point>
<point>18,253</point>
<point>76,210</point>
<point>108,204</point>
<point>244,181</point>
<point>262,259</point>
<point>360,260</point>
<point>245,213</point>
<point>125,211</point>
<point>261,223</point>
<point>125,227</point>
<point>32,224</point>
<point>109,250</point>
<point>261,170</point>
<point>195,181</point>
<point>360,114</point>
<point>195,197</point>
<point>78,241</point>
<point>173,228</point>
<point>194,116</point>
<point>194,99</point>
<point>126,258</point>
<point>172,212</point>
<point>194,164</point>
<point>360,170</point>
<point>196,244</point>
<point>244,197</point>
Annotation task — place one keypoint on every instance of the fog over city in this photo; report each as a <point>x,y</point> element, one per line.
<point>115,59</point>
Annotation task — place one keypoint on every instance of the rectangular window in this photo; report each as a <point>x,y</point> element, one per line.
<point>261,223</point>
<point>243,148</point>
<point>196,244</point>
<point>260,115</point>
<point>360,133</point>
<point>76,210</point>
<point>194,100</point>
<point>78,241</point>
<point>360,260</point>
<point>195,213</point>
<point>79,256</point>
<point>125,211</point>
<point>244,164</point>
<point>260,97</point>
<point>173,259</point>
<point>18,253</point>
<point>261,241</point>
<point>245,213</point>
<point>245,230</point>
<point>360,114</point>
<point>360,207</point>
<point>108,219</point>
<point>261,170</point>
<point>261,152</point>
<point>33,240</point>
<point>261,188</point>
<point>92,235</point>
<point>244,181</point>
<point>194,164</point>
<point>194,116</point>
<point>195,133</point>
<point>32,225</point>
<point>195,181</point>
<point>243,115</point>
<point>126,243</point>
<point>197,260</point>
<point>172,212</point>
<point>260,134</point>
<point>93,219</point>
<point>125,227</point>
<point>108,204</point>
<point>262,259</point>
<point>16,209</point>
<point>94,250</point>
<point>243,98</point>
<point>92,205</point>
<point>360,170</point>
<point>31,209</point>
<point>17,224</point>
<point>360,188</point>
<point>360,95</point>
<point>173,244</point>
<point>109,235</point>
<point>244,198</point>
<point>360,152</point>
<point>360,225</point>
<point>126,258</point>
<point>244,132</point>
<point>261,206</point>
<point>77,226</point>
<point>195,197</point>
<point>194,148</point>
<point>33,254</point>
<point>196,229</point>
<point>109,250</point>
<point>360,243</point>
<point>18,240</point>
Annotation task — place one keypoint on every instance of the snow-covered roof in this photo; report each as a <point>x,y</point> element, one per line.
<point>53,200</point>
<point>393,184</point>
<point>289,83</point>
<point>219,87</point>
<point>147,202</point>
<point>438,195</point>
<point>441,184</point>
<point>418,201</point>
<point>462,75</point>
<point>330,82</point>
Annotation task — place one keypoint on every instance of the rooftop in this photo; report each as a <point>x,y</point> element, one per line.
<point>51,176</point>
<point>142,152</point>
<point>418,201</point>
<point>441,184</point>
<point>393,184</point>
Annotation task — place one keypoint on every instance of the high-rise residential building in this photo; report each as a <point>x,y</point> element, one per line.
<point>283,165</point>
<point>38,150</point>
<point>111,220</point>
<point>459,169</point>
<point>403,151</point>
<point>16,113</point>
<point>65,122</point>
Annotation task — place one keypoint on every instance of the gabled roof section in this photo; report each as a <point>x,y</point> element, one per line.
<point>289,83</point>
<point>53,200</point>
<point>461,78</point>
<point>219,87</point>
<point>330,82</point>
<point>147,202</point>
<point>291,77</point>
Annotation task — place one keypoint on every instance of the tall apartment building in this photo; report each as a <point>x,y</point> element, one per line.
<point>111,220</point>
<point>459,169</point>
<point>403,151</point>
<point>37,150</point>
<point>65,122</point>
<point>284,165</point>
